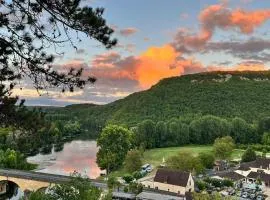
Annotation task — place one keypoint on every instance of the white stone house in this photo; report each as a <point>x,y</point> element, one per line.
<point>171,181</point>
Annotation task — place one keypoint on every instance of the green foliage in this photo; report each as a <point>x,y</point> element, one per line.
<point>39,195</point>
<point>72,128</point>
<point>201,185</point>
<point>135,188</point>
<point>114,143</point>
<point>128,178</point>
<point>137,175</point>
<point>146,134</point>
<point>218,183</point>
<point>249,155</point>
<point>108,196</point>
<point>266,138</point>
<point>133,161</point>
<point>126,189</point>
<point>78,188</point>
<point>14,160</point>
<point>188,96</point>
<point>242,132</point>
<point>112,182</point>
<point>214,196</point>
<point>223,147</point>
<point>207,160</point>
<point>207,128</point>
<point>185,162</point>
<point>255,147</point>
<point>228,183</point>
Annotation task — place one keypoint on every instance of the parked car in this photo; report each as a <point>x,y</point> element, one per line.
<point>146,168</point>
<point>244,195</point>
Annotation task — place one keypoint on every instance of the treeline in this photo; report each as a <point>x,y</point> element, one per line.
<point>53,134</point>
<point>222,94</point>
<point>201,130</point>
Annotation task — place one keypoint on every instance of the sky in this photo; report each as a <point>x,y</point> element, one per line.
<point>159,39</point>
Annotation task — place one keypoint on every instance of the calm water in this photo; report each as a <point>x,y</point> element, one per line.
<point>77,156</point>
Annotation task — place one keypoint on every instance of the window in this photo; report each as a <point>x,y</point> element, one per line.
<point>156,188</point>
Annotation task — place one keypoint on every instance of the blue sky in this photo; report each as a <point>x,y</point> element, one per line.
<point>215,35</point>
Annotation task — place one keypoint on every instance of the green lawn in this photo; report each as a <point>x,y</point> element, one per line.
<point>155,156</point>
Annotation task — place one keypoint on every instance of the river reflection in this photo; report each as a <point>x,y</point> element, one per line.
<point>77,156</point>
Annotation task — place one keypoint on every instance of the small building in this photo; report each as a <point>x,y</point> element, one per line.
<point>233,176</point>
<point>258,165</point>
<point>253,177</point>
<point>221,165</point>
<point>171,181</point>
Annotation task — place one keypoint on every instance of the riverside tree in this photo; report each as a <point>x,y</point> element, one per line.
<point>28,30</point>
<point>114,143</point>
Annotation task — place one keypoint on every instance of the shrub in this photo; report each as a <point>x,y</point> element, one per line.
<point>137,175</point>
<point>249,155</point>
<point>201,185</point>
<point>128,178</point>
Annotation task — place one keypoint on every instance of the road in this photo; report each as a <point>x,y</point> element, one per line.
<point>50,178</point>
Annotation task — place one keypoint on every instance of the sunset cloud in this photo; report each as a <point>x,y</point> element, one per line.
<point>221,17</point>
<point>106,60</point>
<point>128,31</point>
<point>149,67</point>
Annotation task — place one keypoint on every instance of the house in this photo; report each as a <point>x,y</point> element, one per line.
<point>171,181</point>
<point>258,165</point>
<point>233,176</point>
<point>221,165</point>
<point>252,177</point>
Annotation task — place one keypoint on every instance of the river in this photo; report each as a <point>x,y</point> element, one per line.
<point>78,155</point>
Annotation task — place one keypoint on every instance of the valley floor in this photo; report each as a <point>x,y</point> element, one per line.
<point>155,156</point>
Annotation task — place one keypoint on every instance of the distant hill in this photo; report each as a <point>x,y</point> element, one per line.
<point>225,94</point>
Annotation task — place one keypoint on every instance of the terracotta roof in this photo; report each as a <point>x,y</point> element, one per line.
<point>256,175</point>
<point>259,163</point>
<point>231,175</point>
<point>172,177</point>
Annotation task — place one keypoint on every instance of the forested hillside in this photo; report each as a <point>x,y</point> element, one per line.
<point>224,94</point>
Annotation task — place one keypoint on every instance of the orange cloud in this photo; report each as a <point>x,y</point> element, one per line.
<point>220,16</point>
<point>248,21</point>
<point>250,66</point>
<point>156,63</point>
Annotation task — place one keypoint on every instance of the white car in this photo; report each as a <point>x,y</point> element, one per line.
<point>147,168</point>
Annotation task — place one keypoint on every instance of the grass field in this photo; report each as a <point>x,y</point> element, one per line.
<point>155,156</point>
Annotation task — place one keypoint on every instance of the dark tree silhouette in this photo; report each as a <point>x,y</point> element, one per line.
<point>28,28</point>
